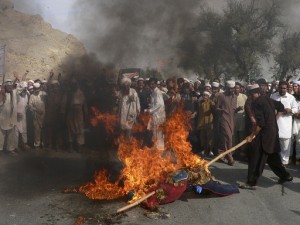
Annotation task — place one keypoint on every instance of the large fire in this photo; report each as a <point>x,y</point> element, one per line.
<point>144,167</point>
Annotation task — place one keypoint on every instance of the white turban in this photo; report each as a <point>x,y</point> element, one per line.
<point>206,93</point>
<point>215,84</point>
<point>230,83</point>
<point>252,87</point>
<point>125,80</point>
<point>207,85</point>
<point>296,82</point>
<point>23,84</point>
<point>8,82</point>
<point>36,85</point>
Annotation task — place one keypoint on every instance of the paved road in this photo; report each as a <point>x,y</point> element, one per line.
<point>31,187</point>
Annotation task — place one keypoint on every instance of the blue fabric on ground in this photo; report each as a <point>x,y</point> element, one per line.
<point>179,175</point>
<point>221,189</point>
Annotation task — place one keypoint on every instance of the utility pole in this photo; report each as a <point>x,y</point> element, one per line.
<point>2,62</point>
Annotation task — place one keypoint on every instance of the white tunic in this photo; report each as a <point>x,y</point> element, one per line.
<point>285,121</point>
<point>157,109</point>
<point>21,108</point>
<point>129,109</point>
<point>8,111</point>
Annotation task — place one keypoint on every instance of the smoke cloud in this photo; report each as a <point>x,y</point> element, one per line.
<point>139,33</point>
<point>135,33</point>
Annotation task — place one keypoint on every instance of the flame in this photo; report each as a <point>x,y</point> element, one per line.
<point>143,166</point>
<point>109,120</point>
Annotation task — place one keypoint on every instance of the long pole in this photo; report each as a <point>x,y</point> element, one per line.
<point>4,53</point>
<point>227,152</point>
<point>136,202</point>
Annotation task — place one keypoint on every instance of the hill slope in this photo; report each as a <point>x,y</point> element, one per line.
<point>32,44</point>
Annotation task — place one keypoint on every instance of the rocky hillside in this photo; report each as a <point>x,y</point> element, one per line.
<point>32,44</point>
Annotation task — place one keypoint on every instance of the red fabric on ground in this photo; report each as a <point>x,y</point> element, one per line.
<point>166,193</point>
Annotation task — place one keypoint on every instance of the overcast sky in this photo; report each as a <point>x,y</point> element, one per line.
<point>55,12</point>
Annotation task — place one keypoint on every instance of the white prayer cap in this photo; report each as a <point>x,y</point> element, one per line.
<point>44,81</point>
<point>36,85</point>
<point>206,93</point>
<point>186,80</point>
<point>23,84</point>
<point>125,80</point>
<point>197,81</point>
<point>147,79</point>
<point>31,81</point>
<point>8,82</point>
<point>215,84</point>
<point>230,83</point>
<point>207,85</point>
<point>158,82</point>
<point>296,82</point>
<point>252,87</point>
<point>141,79</point>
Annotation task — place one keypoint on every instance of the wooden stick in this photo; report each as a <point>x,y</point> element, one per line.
<point>136,202</point>
<point>228,151</point>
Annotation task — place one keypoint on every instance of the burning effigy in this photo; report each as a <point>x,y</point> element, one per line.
<point>161,176</point>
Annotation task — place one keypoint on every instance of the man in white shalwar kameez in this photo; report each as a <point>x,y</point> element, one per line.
<point>8,116</point>
<point>21,114</point>
<point>296,124</point>
<point>37,106</point>
<point>158,114</point>
<point>129,107</point>
<point>285,120</point>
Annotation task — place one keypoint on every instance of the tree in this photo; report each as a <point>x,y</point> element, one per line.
<point>288,58</point>
<point>234,42</point>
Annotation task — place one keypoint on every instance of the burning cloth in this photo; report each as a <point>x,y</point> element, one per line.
<point>172,187</point>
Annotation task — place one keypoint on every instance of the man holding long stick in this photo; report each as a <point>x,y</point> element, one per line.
<point>265,147</point>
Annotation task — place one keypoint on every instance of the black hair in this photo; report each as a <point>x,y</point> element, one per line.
<point>180,80</point>
<point>256,90</point>
<point>282,82</point>
<point>153,79</point>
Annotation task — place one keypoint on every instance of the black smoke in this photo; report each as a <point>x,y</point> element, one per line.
<point>135,33</point>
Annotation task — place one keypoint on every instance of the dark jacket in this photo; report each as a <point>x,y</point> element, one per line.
<point>264,111</point>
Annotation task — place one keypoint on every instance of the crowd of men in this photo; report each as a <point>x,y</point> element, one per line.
<point>266,115</point>
<point>39,114</point>
<point>43,113</point>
